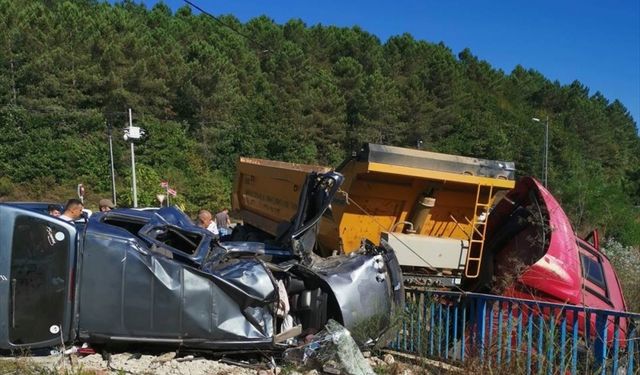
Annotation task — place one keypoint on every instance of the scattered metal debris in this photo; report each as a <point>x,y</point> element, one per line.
<point>333,350</point>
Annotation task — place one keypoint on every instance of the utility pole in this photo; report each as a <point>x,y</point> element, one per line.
<point>133,165</point>
<point>113,173</point>
<point>133,133</point>
<point>545,161</point>
<point>546,151</point>
<point>13,84</point>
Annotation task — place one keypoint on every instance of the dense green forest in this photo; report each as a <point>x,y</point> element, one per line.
<point>209,90</point>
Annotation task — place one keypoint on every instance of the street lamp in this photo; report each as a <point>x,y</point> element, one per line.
<point>546,147</point>
<point>133,133</point>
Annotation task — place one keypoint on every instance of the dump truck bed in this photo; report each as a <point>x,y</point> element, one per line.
<point>430,207</point>
<point>266,192</point>
<point>420,163</point>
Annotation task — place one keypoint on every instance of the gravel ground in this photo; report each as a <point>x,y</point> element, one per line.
<point>126,363</point>
<point>168,364</point>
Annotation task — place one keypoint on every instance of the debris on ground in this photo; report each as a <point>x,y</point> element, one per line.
<point>145,364</point>
<point>388,359</point>
<point>332,350</point>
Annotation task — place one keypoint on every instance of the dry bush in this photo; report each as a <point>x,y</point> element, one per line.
<point>626,261</point>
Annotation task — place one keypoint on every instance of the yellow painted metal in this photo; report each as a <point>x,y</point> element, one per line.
<point>374,198</point>
<point>439,175</point>
<point>382,197</point>
<point>266,192</point>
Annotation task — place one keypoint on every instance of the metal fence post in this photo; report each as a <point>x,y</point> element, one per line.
<point>481,315</point>
<point>600,343</point>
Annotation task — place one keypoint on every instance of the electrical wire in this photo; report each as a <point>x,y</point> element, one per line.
<point>230,27</point>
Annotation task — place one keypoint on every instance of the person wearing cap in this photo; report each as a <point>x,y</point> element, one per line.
<point>106,205</point>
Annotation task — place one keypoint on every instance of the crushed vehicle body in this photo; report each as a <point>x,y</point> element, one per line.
<point>530,237</point>
<point>457,222</point>
<point>154,278</point>
<point>534,253</point>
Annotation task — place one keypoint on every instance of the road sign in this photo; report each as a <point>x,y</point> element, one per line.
<point>81,192</point>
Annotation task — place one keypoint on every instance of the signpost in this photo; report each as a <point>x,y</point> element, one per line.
<point>81,192</point>
<point>170,191</point>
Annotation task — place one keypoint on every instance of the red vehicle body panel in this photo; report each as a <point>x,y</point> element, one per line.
<point>542,258</point>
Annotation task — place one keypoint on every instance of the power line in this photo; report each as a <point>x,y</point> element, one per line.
<point>231,27</point>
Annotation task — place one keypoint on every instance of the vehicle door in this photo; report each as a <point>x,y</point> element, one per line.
<point>36,263</point>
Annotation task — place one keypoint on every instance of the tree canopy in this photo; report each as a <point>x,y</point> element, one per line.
<point>210,90</point>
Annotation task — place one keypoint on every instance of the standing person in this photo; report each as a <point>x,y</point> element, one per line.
<point>224,222</point>
<point>72,210</point>
<point>106,205</point>
<point>205,220</point>
<point>54,210</point>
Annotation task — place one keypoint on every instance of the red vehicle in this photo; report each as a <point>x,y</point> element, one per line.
<point>537,255</point>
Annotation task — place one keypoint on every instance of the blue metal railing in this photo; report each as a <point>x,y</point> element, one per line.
<point>535,337</point>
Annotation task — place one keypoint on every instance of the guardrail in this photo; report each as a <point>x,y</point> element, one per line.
<point>529,336</point>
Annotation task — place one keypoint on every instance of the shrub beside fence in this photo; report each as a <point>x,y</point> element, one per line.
<point>529,336</point>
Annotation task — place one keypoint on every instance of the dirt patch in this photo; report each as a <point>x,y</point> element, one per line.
<point>125,363</point>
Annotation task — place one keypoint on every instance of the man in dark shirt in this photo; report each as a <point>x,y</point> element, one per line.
<point>223,222</point>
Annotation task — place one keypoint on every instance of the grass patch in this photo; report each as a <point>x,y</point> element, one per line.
<point>27,366</point>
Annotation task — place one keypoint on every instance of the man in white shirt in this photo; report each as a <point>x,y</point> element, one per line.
<point>205,221</point>
<point>72,210</point>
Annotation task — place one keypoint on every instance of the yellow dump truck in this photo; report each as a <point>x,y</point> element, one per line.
<point>431,208</point>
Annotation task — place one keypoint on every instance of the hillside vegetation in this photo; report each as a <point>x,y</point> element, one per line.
<point>207,91</point>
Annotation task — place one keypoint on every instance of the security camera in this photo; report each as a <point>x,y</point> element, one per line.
<point>133,133</point>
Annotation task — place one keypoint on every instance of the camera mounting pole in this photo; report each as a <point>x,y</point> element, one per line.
<point>133,133</point>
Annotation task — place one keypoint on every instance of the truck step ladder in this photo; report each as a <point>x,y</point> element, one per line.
<point>484,193</point>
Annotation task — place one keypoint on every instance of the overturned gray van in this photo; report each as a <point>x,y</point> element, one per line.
<point>154,278</point>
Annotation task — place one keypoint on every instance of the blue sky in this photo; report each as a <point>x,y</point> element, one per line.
<point>595,42</point>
